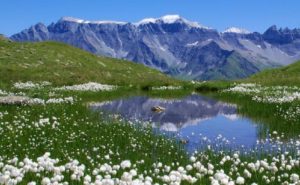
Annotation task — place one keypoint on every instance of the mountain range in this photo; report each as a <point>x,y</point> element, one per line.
<point>176,46</point>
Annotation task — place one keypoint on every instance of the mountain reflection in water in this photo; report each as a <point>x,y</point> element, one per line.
<point>191,117</point>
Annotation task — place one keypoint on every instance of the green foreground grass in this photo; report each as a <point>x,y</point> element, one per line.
<point>72,131</point>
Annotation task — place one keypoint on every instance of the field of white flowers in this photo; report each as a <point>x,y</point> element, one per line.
<point>268,94</point>
<point>278,96</point>
<point>59,141</point>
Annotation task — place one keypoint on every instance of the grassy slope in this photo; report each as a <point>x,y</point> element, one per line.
<point>289,75</point>
<point>65,65</point>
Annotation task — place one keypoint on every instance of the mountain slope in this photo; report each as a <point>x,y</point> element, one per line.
<point>64,65</point>
<point>289,75</point>
<point>235,66</point>
<point>217,63</point>
<point>167,44</point>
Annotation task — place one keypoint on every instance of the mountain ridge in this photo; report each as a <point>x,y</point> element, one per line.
<point>165,44</point>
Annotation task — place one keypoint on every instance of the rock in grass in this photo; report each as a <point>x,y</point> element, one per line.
<point>158,109</point>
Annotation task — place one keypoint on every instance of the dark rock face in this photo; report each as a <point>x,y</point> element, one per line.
<point>281,36</point>
<point>175,45</point>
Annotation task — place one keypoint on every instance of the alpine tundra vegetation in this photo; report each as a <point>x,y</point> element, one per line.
<point>159,101</point>
<point>49,134</point>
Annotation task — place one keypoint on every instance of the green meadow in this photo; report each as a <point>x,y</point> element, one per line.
<point>63,142</point>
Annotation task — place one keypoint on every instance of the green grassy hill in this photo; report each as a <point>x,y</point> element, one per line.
<point>289,75</point>
<point>65,65</point>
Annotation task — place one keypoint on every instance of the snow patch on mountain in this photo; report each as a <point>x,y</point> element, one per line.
<point>236,30</point>
<point>192,44</point>
<point>170,19</point>
<point>147,21</point>
<point>81,21</point>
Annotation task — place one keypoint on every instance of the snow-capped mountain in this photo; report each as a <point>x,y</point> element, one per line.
<point>176,46</point>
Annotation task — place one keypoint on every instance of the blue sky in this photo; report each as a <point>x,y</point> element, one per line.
<point>254,15</point>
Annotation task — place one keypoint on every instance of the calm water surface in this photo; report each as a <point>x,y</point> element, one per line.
<point>195,118</point>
